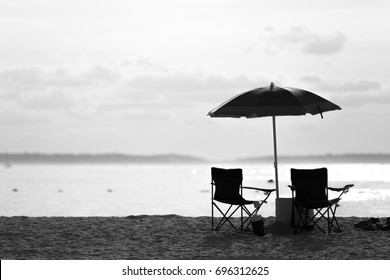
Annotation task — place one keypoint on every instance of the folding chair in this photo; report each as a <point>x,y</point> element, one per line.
<point>228,190</point>
<point>310,200</point>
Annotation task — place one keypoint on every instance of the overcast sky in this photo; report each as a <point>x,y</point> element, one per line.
<point>139,77</point>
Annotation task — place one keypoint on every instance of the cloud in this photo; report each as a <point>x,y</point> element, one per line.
<point>184,88</point>
<point>100,75</point>
<point>21,79</point>
<point>351,93</point>
<point>108,92</point>
<point>106,88</point>
<point>148,117</point>
<point>52,101</point>
<point>140,97</point>
<point>32,79</point>
<point>307,41</point>
<point>24,119</point>
<point>40,89</point>
<point>343,85</point>
<point>149,65</point>
<point>325,44</point>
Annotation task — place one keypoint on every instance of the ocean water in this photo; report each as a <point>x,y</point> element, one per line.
<point>182,189</point>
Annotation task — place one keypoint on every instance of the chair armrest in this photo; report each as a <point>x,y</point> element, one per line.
<point>346,187</point>
<point>343,190</point>
<point>292,188</point>
<point>260,189</point>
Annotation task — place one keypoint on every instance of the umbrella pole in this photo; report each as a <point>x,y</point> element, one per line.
<point>275,157</point>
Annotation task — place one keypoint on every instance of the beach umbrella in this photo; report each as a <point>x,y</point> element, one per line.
<point>273,101</point>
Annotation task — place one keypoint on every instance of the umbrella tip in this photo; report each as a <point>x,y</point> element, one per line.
<point>271,86</point>
<point>319,109</point>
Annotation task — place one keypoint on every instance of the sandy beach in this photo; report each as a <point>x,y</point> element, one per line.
<point>175,237</point>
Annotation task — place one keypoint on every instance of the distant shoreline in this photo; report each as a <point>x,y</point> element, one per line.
<point>40,158</point>
<point>326,158</point>
<point>113,158</point>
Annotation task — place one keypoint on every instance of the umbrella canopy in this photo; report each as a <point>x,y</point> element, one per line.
<point>273,101</point>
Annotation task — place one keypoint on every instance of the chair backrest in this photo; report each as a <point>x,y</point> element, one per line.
<point>310,184</point>
<point>227,183</point>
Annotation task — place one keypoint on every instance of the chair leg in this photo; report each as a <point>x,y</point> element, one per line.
<point>307,220</point>
<point>331,221</point>
<point>297,218</point>
<point>296,223</point>
<point>301,223</point>
<point>334,220</point>
<point>242,217</point>
<point>224,218</point>
<point>250,215</point>
<point>212,215</point>
<point>292,219</point>
<point>320,215</point>
<point>244,224</point>
<point>304,221</point>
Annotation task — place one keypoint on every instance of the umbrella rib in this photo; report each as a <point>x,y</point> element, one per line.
<point>211,113</point>
<point>319,109</point>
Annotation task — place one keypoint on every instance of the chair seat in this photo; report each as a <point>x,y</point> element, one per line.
<point>241,201</point>
<point>318,204</point>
